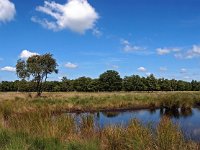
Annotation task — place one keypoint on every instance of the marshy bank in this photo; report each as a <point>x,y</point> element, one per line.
<point>41,130</point>
<point>94,102</point>
<point>52,122</point>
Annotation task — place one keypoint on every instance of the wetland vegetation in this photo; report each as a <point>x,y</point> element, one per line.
<point>31,122</point>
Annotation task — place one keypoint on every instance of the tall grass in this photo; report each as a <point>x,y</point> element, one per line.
<point>42,130</point>
<point>70,102</point>
<point>34,123</point>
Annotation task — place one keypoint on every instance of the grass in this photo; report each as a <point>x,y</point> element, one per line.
<point>28,122</point>
<point>72,102</point>
<point>39,130</point>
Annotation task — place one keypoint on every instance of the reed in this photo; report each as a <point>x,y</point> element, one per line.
<point>34,123</point>
<point>43,131</point>
<point>71,102</point>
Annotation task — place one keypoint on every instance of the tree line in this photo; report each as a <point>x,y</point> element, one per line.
<point>108,81</point>
<point>34,72</point>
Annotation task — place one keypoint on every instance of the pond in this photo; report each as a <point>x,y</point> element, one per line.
<point>188,120</point>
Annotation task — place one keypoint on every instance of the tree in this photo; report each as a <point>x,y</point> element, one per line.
<point>195,86</point>
<point>133,83</point>
<point>94,86</point>
<point>180,85</point>
<point>82,84</point>
<point>165,84</point>
<point>38,67</point>
<point>66,85</point>
<point>173,84</point>
<point>110,81</point>
<point>152,83</point>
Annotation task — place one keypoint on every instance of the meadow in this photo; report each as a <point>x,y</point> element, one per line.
<point>30,122</point>
<point>82,102</point>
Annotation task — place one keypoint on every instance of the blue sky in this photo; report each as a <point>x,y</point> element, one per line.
<point>89,37</point>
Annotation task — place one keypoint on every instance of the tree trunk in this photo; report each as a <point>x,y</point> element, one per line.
<point>39,94</point>
<point>40,87</point>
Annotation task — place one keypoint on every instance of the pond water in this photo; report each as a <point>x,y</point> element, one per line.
<point>188,120</point>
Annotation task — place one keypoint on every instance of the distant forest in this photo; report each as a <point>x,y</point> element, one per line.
<point>107,82</point>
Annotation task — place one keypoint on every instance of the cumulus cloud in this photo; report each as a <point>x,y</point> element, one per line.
<point>128,47</point>
<point>191,53</point>
<point>142,69</point>
<point>71,65</point>
<point>7,11</point>
<point>164,51</point>
<point>25,54</point>
<point>8,68</point>
<point>76,15</point>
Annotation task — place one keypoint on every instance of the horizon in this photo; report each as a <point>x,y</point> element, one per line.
<point>88,37</point>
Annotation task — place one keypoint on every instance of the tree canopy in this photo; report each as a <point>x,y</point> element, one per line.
<point>37,67</point>
<point>108,81</point>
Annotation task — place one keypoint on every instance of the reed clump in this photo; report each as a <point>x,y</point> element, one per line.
<point>44,130</point>
<point>34,123</point>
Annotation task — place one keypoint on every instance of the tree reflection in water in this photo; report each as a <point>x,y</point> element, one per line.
<point>176,112</point>
<point>110,114</point>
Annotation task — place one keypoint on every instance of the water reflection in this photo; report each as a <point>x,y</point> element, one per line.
<point>111,114</point>
<point>176,113</point>
<point>172,113</point>
<point>187,119</point>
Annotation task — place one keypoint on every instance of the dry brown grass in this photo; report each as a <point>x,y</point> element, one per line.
<point>87,136</point>
<point>76,101</point>
<point>28,123</point>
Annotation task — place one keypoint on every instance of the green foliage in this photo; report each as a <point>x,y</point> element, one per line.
<point>38,67</point>
<point>164,84</point>
<point>82,84</point>
<point>88,145</point>
<point>18,140</point>
<point>110,81</point>
<point>41,130</point>
<point>133,83</point>
<point>152,83</point>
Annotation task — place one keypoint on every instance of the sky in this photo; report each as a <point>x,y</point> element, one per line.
<point>88,37</point>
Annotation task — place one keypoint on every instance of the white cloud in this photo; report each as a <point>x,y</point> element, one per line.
<point>8,68</point>
<point>128,47</point>
<point>142,69</point>
<point>183,70</point>
<point>25,54</point>
<point>7,11</point>
<point>45,23</point>
<point>164,51</point>
<point>76,15</point>
<point>193,52</point>
<point>71,65</point>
